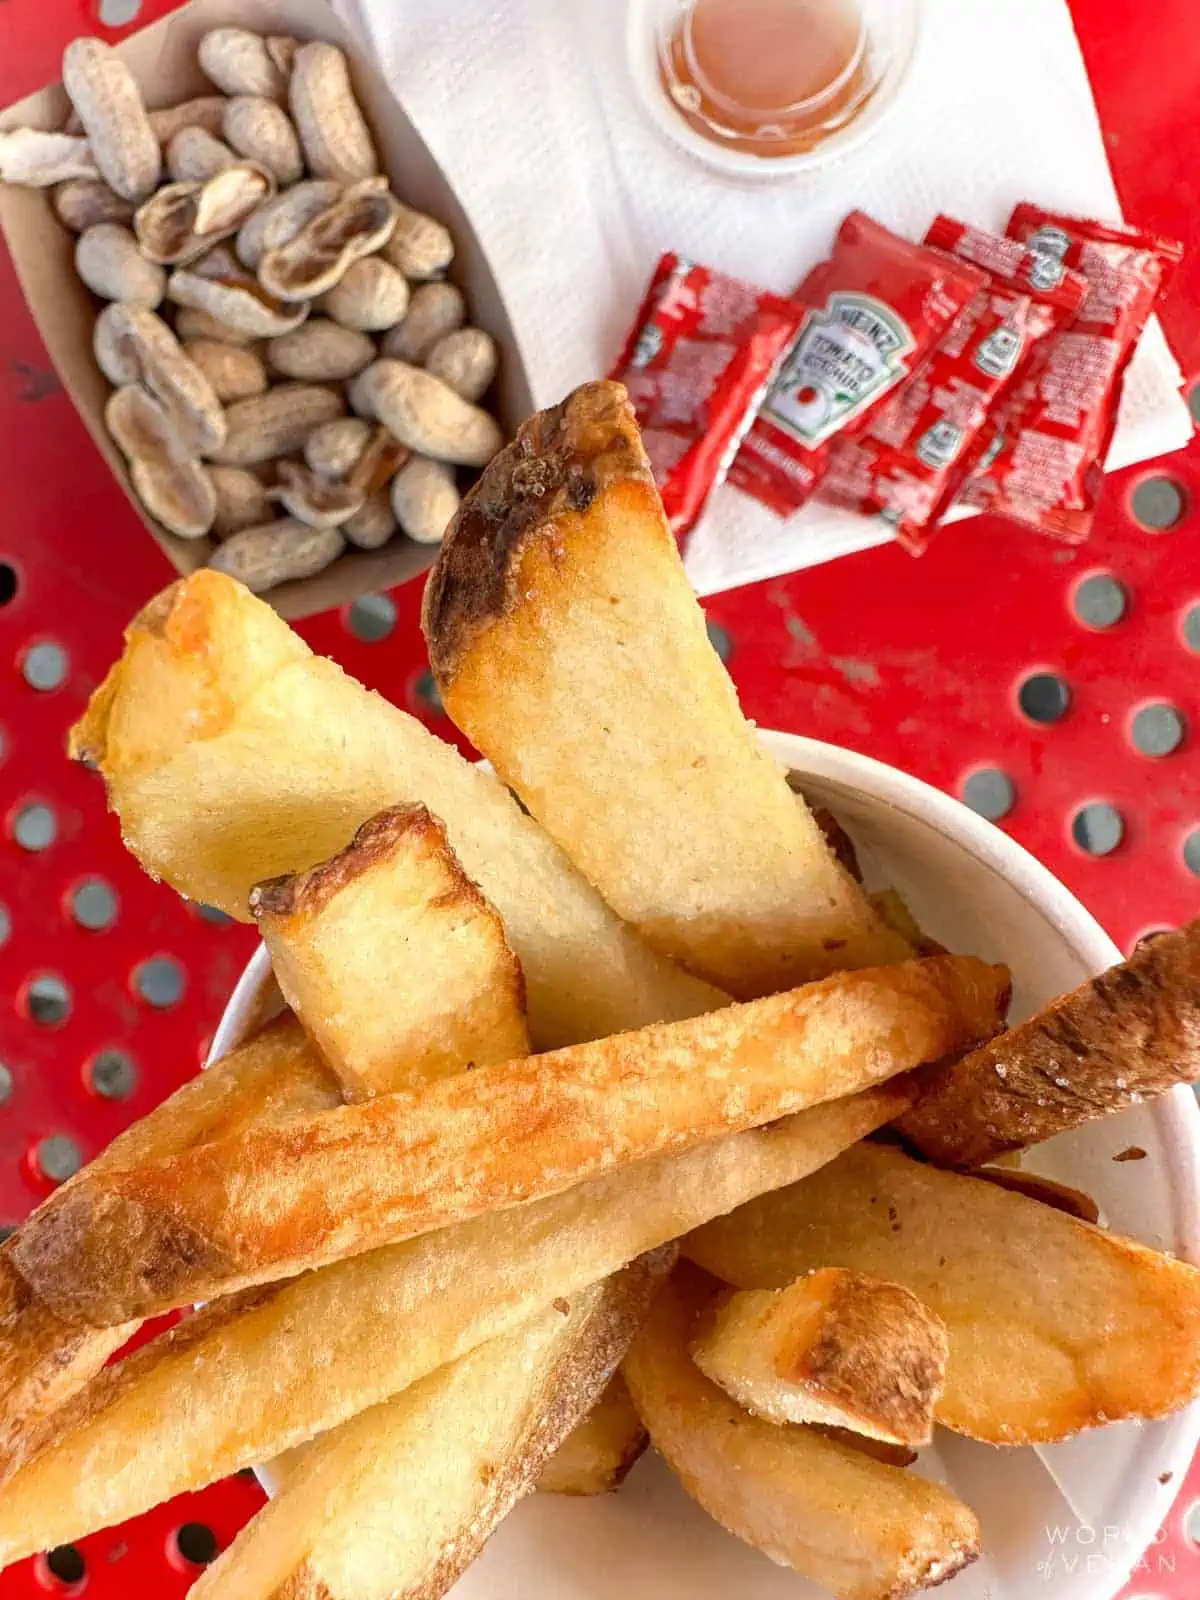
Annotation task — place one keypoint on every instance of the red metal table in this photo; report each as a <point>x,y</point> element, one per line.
<point>110,985</point>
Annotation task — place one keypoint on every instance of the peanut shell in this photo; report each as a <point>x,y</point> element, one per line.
<point>435,310</point>
<point>205,111</point>
<point>278,221</point>
<point>109,262</point>
<point>280,552</point>
<point>333,448</point>
<point>183,220</point>
<point>275,424</point>
<point>219,284</point>
<point>235,373</point>
<point>191,324</point>
<point>83,202</point>
<point>371,296</point>
<point>239,62</point>
<point>374,525</point>
<point>261,131</point>
<point>427,416</point>
<point>420,247</point>
<point>193,156</point>
<point>333,132</point>
<point>316,501</point>
<point>316,258</point>
<point>425,498</point>
<point>242,500</point>
<point>36,159</point>
<point>178,493</point>
<point>109,102</point>
<point>465,361</point>
<point>320,352</point>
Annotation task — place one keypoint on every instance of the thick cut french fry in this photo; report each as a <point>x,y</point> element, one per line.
<point>1127,1036</point>
<point>569,647</point>
<point>391,930</point>
<point>276,1201</point>
<point>864,1530</point>
<point>402,1498</point>
<point>1048,1317</point>
<point>233,754</point>
<point>834,1348</point>
<point>596,1457</point>
<point>267,1372</point>
<point>44,1360</point>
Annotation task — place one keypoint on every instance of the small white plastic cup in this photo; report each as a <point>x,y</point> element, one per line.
<point>1067,1522</point>
<point>882,63</point>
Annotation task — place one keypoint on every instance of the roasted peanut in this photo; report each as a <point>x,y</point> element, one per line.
<point>191,324</point>
<point>371,296</point>
<point>374,525</point>
<point>179,494</point>
<point>381,458</point>
<point>109,102</point>
<point>239,62</point>
<point>316,257</point>
<point>183,220</point>
<point>424,499</point>
<point>275,424</point>
<point>109,262</point>
<point>166,371</point>
<point>332,130</point>
<point>435,310</point>
<point>242,500</point>
<point>320,352</point>
<point>116,354</point>
<point>194,156</point>
<point>465,361</point>
<point>219,284</point>
<point>419,247</point>
<point>260,131</point>
<point>333,448</point>
<point>235,373</point>
<point>36,159</point>
<point>427,416</point>
<point>280,220</point>
<point>206,111</point>
<point>281,552</point>
<point>316,501</point>
<point>83,202</point>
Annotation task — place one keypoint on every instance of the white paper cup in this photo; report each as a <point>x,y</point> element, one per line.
<point>1068,1522</point>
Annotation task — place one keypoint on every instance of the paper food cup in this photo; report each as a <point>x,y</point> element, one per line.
<point>1069,1521</point>
<point>163,60</point>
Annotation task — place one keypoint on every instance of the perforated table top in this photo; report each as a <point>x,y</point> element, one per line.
<point>1054,688</point>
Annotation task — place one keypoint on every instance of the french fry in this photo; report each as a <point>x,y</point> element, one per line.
<point>276,1201</point>
<point>596,1456</point>
<point>372,1325</point>
<point>1047,1316</point>
<point>44,1359</point>
<point>569,647</point>
<point>1127,1036</point>
<point>835,1348</point>
<point>392,930</point>
<point>402,1498</point>
<point>232,754</point>
<point>863,1530</point>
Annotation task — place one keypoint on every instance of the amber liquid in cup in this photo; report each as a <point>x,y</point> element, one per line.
<point>769,77</point>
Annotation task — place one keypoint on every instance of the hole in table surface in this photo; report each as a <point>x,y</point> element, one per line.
<point>35,826</point>
<point>196,1543</point>
<point>372,617</point>
<point>118,13</point>
<point>48,1000</point>
<point>1158,504</point>
<point>6,1082</point>
<point>1191,1524</point>
<point>989,792</point>
<point>1098,828</point>
<point>66,1564</point>
<point>94,904</point>
<point>5,924</point>
<point>720,639</point>
<point>58,1157</point>
<point>1157,729</point>
<point>111,1074</point>
<point>9,583</point>
<point>1191,852</point>
<point>1044,697</point>
<point>1191,628</point>
<point>44,666</point>
<point>426,691</point>
<point>160,982</point>
<point>214,915</point>
<point>1100,601</point>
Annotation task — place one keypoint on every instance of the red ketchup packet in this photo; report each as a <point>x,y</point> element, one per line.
<point>1045,467</point>
<point>873,313</point>
<point>696,365</point>
<point>918,446</point>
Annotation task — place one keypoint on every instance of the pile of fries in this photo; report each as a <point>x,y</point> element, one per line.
<point>558,1145</point>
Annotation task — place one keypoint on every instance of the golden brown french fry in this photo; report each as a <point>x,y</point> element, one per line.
<point>1048,1317</point>
<point>276,1201</point>
<point>1059,1195</point>
<point>371,1326</point>
<point>402,1498</point>
<point>596,1456</point>
<point>391,931</point>
<point>45,1359</point>
<point>1127,1036</point>
<point>861,1529</point>
<point>233,754</point>
<point>836,1348</point>
<point>569,647</point>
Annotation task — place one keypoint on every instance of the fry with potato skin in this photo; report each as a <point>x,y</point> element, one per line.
<point>279,1200</point>
<point>215,696</point>
<point>1127,1036</point>
<point>376,1324</point>
<point>569,647</point>
<point>862,1529</point>
<point>835,1348</point>
<point>601,1450</point>
<point>1047,1316</point>
<point>402,1498</point>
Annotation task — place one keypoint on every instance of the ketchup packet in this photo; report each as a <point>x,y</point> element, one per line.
<point>910,462</point>
<point>696,364</point>
<point>1045,467</point>
<point>873,313</point>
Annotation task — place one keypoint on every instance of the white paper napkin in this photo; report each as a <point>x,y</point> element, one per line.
<point>529,108</point>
